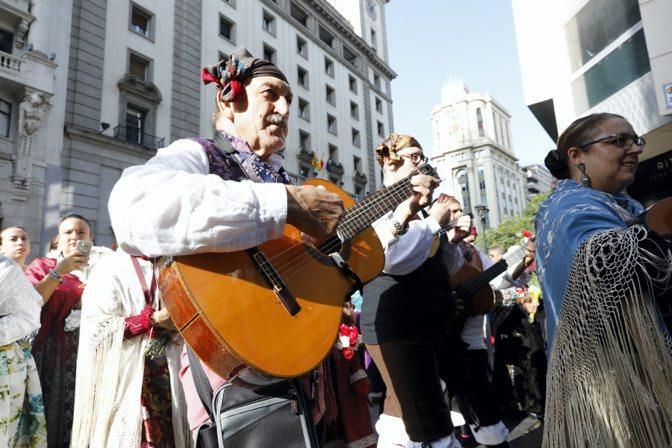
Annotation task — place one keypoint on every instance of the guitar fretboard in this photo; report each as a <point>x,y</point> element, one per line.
<point>361,215</point>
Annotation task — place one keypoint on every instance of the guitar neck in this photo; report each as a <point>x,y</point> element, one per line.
<point>486,276</point>
<point>361,215</point>
<point>451,225</point>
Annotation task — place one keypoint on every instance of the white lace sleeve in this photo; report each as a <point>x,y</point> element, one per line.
<point>19,303</point>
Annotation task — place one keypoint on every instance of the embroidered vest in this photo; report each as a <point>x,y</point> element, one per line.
<point>221,164</point>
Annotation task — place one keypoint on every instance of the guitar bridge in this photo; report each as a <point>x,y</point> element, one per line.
<point>274,280</point>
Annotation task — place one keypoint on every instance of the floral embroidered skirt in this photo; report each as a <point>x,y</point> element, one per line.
<point>22,421</point>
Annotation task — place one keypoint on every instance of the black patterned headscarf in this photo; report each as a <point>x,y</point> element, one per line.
<point>230,75</point>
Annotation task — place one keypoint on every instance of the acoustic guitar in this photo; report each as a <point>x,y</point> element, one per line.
<point>276,308</point>
<point>471,287</point>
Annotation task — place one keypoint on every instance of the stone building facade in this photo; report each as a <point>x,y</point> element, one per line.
<point>89,89</point>
<point>474,156</point>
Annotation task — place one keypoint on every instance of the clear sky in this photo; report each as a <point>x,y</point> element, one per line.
<point>472,40</point>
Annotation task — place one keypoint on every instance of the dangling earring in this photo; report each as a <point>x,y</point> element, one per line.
<point>585,179</point>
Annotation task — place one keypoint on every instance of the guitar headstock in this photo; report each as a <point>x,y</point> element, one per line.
<point>515,256</point>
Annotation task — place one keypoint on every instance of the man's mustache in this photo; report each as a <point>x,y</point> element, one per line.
<point>277,120</point>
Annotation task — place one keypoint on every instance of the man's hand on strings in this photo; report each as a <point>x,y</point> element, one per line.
<point>314,210</point>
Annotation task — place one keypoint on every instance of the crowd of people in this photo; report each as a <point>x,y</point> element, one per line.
<point>453,340</point>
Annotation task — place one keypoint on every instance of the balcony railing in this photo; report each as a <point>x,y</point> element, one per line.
<point>134,135</point>
<point>10,63</point>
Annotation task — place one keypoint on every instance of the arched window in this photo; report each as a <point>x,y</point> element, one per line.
<point>479,120</point>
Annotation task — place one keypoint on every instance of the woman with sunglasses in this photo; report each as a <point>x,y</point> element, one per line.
<point>605,269</point>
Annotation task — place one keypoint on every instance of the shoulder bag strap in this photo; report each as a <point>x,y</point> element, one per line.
<point>201,382</point>
<point>309,433</point>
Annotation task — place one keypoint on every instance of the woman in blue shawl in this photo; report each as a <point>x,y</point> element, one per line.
<point>606,277</point>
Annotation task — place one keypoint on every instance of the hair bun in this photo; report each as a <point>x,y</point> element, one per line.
<point>556,166</point>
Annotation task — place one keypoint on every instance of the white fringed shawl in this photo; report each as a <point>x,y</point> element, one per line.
<point>110,369</point>
<point>610,373</point>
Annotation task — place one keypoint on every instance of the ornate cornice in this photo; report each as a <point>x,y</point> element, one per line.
<point>360,178</point>
<point>147,90</point>
<point>336,168</point>
<point>305,155</point>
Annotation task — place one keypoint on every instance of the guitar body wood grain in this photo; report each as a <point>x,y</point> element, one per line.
<point>226,311</point>
<point>481,301</point>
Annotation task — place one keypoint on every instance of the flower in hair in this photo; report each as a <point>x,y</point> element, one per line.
<point>228,75</point>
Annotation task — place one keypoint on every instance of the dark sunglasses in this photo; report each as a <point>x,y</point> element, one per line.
<point>622,140</point>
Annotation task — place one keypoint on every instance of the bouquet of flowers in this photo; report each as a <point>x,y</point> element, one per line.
<point>528,297</point>
<point>348,340</point>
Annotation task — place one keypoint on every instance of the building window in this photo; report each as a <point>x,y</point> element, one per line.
<point>5,118</point>
<point>326,37</point>
<point>330,95</point>
<point>226,28</point>
<point>333,154</point>
<point>269,53</point>
<point>596,25</point>
<point>331,124</point>
<point>354,110</point>
<point>379,105</point>
<point>222,56</point>
<point>139,67</point>
<point>350,55</point>
<point>355,138</point>
<point>6,41</point>
<point>352,84</point>
<point>299,14</point>
<point>329,67</point>
<point>376,80</point>
<point>619,68</point>
<point>479,121</point>
<point>231,3</point>
<point>301,47</point>
<point>481,185</point>
<point>141,21</point>
<point>268,22</point>
<point>374,39</point>
<point>495,125</point>
<point>506,134</point>
<point>357,163</point>
<point>463,183</point>
<point>304,109</point>
<point>381,129</point>
<point>304,141</point>
<point>135,124</point>
<point>302,77</point>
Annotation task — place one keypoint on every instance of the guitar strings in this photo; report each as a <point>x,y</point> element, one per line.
<point>300,254</point>
<point>354,215</point>
<point>332,243</point>
<point>393,189</point>
<point>291,273</point>
<point>300,260</point>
